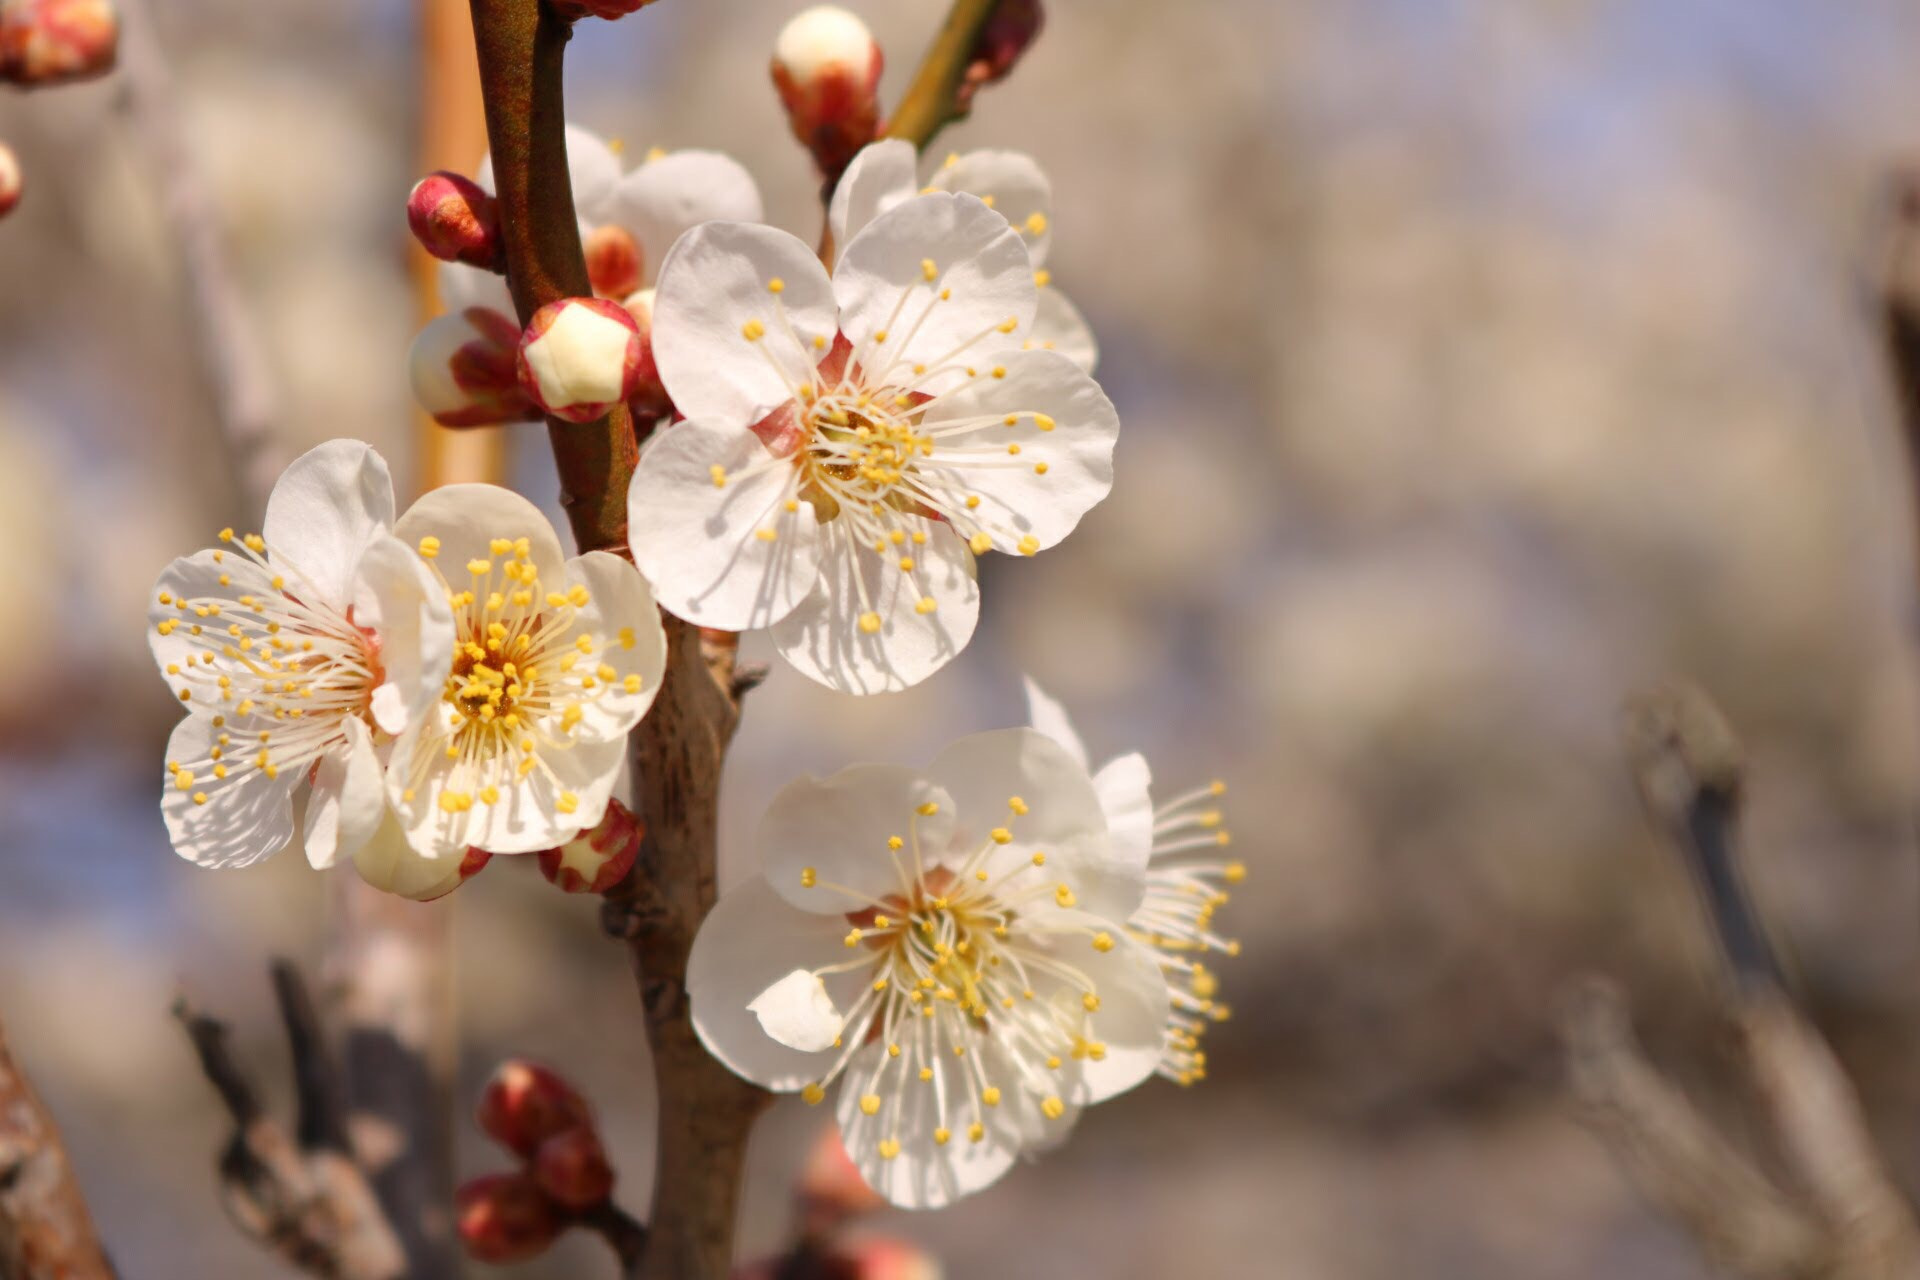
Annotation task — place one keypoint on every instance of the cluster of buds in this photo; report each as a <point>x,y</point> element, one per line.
<point>464,369</point>
<point>456,221</point>
<point>9,180</point>
<point>826,66</point>
<point>574,10</point>
<point>44,42</point>
<point>598,859</point>
<point>579,357</point>
<point>541,1119</point>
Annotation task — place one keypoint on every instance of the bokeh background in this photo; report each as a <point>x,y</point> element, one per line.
<point>1479,363</point>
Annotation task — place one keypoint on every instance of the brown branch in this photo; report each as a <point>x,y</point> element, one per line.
<point>622,1232</point>
<point>308,1201</point>
<point>933,101</point>
<point>46,1232</point>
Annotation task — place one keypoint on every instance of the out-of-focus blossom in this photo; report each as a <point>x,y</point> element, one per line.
<point>853,442</point>
<point>830,1187</point>
<point>1182,841</point>
<point>579,357</point>
<point>464,367</point>
<point>827,65</point>
<point>298,656</point>
<point>45,42</point>
<point>884,176</point>
<point>455,221</point>
<point>9,180</point>
<point>595,861</point>
<point>554,660</point>
<point>947,946</point>
<point>572,1167</point>
<point>505,1217</point>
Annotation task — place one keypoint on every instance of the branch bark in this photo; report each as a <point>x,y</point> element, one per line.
<point>932,101</point>
<point>46,1232</point>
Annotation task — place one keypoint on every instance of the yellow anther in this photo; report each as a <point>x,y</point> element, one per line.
<point>567,803</point>
<point>1042,278</point>
<point>186,695</point>
<point>980,544</point>
<point>942,1136</point>
<point>719,475</point>
<point>1001,835</point>
<point>812,1094</point>
<point>626,637</point>
<point>1036,222</point>
<point>925,605</point>
<point>990,1095</point>
<point>928,809</point>
<point>976,1132</point>
<point>584,644</point>
<point>1053,1108</point>
<point>895,842</point>
<point>1013,448</point>
<point>819,342</point>
<point>632,684</point>
<point>1091,1001</point>
<point>1103,942</point>
<point>889,1148</point>
<point>1039,468</point>
<point>879,336</point>
<point>254,543</point>
<point>776,285</point>
<point>870,623</point>
<point>555,599</point>
<point>809,877</point>
<point>870,1104</point>
<point>928,270</point>
<point>926,1073</point>
<point>853,937</point>
<point>226,535</point>
<point>1029,545</point>
<point>765,535</point>
<point>1018,805</point>
<point>1063,895</point>
<point>753,331</point>
<point>479,568</point>
<point>1039,859</point>
<point>906,564</point>
<point>1007,326</point>
<point>893,1051</point>
<point>792,505</point>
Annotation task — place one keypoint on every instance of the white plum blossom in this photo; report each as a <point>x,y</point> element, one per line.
<point>299,655</point>
<point>852,442</point>
<point>554,660</point>
<point>944,945</point>
<point>1180,842</point>
<point>883,176</point>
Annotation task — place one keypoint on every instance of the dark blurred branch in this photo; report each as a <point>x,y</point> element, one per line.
<point>309,1202</point>
<point>46,1232</point>
<point>1899,313</point>
<point>622,1232</point>
<point>1842,1219</point>
<point>934,100</point>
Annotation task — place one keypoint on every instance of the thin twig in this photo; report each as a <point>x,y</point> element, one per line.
<point>621,1230</point>
<point>46,1232</point>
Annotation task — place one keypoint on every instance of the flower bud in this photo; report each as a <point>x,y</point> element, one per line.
<point>505,1217</point>
<point>574,10</point>
<point>597,860</point>
<point>391,866</point>
<point>572,1168</point>
<point>830,1187</point>
<point>525,1103</point>
<point>464,370</point>
<point>9,180</point>
<point>614,261</point>
<point>455,220</point>
<point>46,42</point>
<point>649,393</point>
<point>580,357</point>
<point>1005,38</point>
<point>880,1258</point>
<point>827,69</point>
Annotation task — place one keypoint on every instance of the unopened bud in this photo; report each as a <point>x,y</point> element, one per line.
<point>831,1188</point>
<point>505,1217</point>
<point>9,180</point>
<point>595,861</point>
<point>525,1103</point>
<point>455,220</point>
<point>649,393</point>
<point>1005,38</point>
<point>391,866</point>
<point>879,1258</point>
<point>826,66</point>
<point>46,42</point>
<point>574,10</point>
<point>579,357</point>
<point>572,1168</point>
<point>614,261</point>
<point>464,369</point>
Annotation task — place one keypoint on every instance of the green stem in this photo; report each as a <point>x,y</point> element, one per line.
<point>931,102</point>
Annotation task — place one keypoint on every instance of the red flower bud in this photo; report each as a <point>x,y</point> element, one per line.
<point>574,10</point>
<point>826,66</point>
<point>9,180</point>
<point>595,861</point>
<point>572,1168</point>
<point>464,369</point>
<point>505,1217</point>
<point>614,261</point>
<point>649,396</point>
<point>46,42</point>
<point>579,357</point>
<point>1005,38</point>
<point>525,1103</point>
<point>455,221</point>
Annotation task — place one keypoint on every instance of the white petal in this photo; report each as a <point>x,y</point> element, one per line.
<point>463,288</point>
<point>397,597</point>
<point>840,826</point>
<point>1064,819</point>
<point>665,198</point>
<point>1125,786</point>
<point>197,577</point>
<point>1019,192</point>
<point>749,939</point>
<point>390,865</point>
<point>1050,718</point>
<point>1059,326</point>
<point>623,626</point>
<point>347,801</point>
<point>823,638</point>
<point>924,1174</point>
<point>713,292</point>
<point>466,518</point>
<point>247,816</point>
<point>879,178</point>
<point>978,262</point>
<point>325,510</point>
<point>698,543</point>
<point>1131,1021</point>
<point>1064,428</point>
<point>798,1012</point>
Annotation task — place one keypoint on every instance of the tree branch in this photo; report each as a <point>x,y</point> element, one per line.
<point>932,101</point>
<point>46,1232</point>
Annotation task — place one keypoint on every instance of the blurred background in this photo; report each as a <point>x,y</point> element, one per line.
<point>1479,362</point>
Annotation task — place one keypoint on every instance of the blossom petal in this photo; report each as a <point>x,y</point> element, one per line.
<point>749,939</point>
<point>824,640</point>
<point>244,818</point>
<point>347,802</point>
<point>921,1172</point>
<point>1013,185</point>
<point>388,863</point>
<point>197,577</point>
<point>325,510</point>
<point>1050,718</point>
<point>468,518</point>
<point>940,276</point>
<point>985,773</point>
<point>1125,787</point>
<point>798,1012</point>
<point>1038,452</point>
<point>396,596</point>
<point>665,198</point>
<point>839,829</point>
<point>622,624</point>
<point>1059,326</point>
<point>729,348</point>
<point>699,542</point>
<point>1130,1022</point>
<point>879,178</point>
